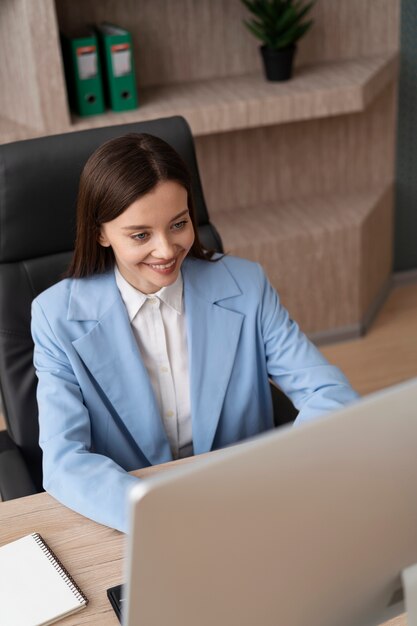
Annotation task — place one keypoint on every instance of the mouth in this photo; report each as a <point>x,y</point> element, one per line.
<point>163,268</point>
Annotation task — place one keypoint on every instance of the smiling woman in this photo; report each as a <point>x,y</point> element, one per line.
<point>124,182</point>
<point>152,348</point>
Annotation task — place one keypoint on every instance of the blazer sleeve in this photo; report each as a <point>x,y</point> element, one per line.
<point>89,483</point>
<point>314,385</point>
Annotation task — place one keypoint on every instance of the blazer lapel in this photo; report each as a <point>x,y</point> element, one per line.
<point>110,353</point>
<point>213,337</point>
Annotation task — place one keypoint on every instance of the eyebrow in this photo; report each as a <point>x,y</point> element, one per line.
<point>143,227</point>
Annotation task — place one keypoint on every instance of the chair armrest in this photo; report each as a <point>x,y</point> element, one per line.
<point>15,479</point>
<point>284,410</point>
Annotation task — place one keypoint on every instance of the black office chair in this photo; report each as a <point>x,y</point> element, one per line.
<point>38,188</point>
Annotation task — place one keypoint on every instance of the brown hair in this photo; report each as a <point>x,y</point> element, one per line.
<point>118,173</point>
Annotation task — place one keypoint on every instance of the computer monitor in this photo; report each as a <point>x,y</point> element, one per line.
<point>300,526</point>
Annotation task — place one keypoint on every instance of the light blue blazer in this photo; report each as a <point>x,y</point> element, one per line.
<point>98,415</point>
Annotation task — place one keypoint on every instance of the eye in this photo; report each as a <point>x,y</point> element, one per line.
<point>179,225</point>
<point>140,236</point>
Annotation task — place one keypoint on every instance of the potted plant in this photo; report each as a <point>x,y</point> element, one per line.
<point>279,24</point>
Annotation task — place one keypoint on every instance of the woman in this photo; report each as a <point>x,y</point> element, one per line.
<point>153,348</point>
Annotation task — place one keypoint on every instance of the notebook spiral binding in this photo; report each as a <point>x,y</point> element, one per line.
<point>82,599</point>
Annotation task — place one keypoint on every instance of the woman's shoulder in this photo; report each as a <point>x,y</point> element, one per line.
<point>227,270</point>
<point>231,263</point>
<point>59,294</point>
<point>239,264</point>
<point>240,268</point>
<point>56,292</point>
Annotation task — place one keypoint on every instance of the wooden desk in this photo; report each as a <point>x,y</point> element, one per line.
<point>92,553</point>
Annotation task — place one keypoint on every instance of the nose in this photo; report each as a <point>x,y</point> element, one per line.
<point>164,249</point>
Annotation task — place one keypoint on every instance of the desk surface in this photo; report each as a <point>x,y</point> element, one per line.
<point>92,553</point>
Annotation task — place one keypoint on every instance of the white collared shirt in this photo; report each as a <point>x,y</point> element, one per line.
<point>158,323</point>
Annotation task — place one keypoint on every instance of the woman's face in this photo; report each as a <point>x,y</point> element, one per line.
<point>152,237</point>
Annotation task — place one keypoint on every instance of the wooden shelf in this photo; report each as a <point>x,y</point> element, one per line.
<point>253,227</point>
<point>250,101</point>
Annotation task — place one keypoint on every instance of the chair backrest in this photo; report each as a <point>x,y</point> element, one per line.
<point>38,189</point>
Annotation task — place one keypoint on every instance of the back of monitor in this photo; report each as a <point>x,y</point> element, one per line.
<point>310,525</point>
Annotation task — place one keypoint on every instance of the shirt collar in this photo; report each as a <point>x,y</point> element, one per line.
<point>135,299</point>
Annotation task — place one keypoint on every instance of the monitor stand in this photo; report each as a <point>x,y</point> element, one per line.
<point>409,580</point>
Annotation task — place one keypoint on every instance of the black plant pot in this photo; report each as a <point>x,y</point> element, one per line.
<point>278,63</point>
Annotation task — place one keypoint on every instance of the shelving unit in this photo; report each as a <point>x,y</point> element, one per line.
<point>297,175</point>
<point>240,102</point>
<point>319,246</point>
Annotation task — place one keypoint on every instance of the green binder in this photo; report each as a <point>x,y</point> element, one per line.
<point>118,68</point>
<point>83,73</point>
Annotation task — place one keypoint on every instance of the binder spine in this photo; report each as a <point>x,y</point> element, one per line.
<point>65,575</point>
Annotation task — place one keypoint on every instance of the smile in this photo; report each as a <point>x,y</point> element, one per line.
<point>162,266</point>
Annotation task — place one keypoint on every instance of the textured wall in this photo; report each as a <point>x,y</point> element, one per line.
<point>406,175</point>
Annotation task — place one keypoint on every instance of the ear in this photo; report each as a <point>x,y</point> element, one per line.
<point>102,239</point>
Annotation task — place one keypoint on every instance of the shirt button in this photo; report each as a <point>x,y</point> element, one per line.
<point>153,300</point>
<point>169,414</point>
<point>164,369</point>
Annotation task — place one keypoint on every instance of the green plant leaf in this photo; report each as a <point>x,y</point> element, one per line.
<point>277,23</point>
<point>258,24</point>
<point>293,35</point>
<point>262,9</point>
<point>304,10</point>
<point>257,32</point>
<point>286,20</point>
<point>273,9</point>
<point>287,38</point>
<point>303,28</point>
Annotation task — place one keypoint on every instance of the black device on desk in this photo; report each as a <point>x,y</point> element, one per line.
<point>114,594</point>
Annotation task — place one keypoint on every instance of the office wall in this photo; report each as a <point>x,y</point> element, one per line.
<point>405,257</point>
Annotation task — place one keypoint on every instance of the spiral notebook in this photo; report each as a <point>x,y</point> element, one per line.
<point>35,587</point>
